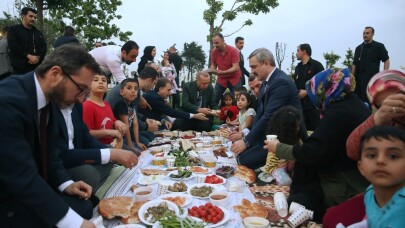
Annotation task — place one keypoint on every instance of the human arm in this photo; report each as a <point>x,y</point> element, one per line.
<point>250,116</point>
<point>136,134</point>
<point>124,157</point>
<point>387,64</point>
<point>189,94</point>
<point>114,65</point>
<point>144,104</point>
<point>121,127</point>
<point>353,141</point>
<point>235,67</point>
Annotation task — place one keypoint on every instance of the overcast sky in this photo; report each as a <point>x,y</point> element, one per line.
<point>326,25</point>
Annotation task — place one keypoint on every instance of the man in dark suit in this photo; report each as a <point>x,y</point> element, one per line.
<point>239,43</point>
<point>277,90</point>
<point>198,97</point>
<point>156,99</point>
<point>36,190</point>
<point>84,157</point>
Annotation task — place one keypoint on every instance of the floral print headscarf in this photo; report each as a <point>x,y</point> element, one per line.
<point>328,86</point>
<point>384,80</point>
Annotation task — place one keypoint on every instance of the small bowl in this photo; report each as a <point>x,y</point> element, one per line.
<point>143,193</point>
<point>219,198</point>
<point>156,149</point>
<point>256,222</point>
<point>159,161</point>
<point>235,186</point>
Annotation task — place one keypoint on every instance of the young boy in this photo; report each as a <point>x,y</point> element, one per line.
<point>124,110</point>
<point>382,162</point>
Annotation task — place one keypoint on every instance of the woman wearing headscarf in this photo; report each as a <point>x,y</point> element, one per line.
<point>386,93</point>
<point>331,92</point>
<point>149,54</point>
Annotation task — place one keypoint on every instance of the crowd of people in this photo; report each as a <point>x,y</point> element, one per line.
<point>60,124</point>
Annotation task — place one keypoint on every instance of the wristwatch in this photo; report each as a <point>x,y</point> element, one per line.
<point>247,144</point>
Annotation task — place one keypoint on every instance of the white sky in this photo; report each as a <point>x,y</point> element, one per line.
<point>326,25</point>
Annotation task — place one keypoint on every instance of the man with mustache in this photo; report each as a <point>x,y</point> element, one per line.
<point>27,44</point>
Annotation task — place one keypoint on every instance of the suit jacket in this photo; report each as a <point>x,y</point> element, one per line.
<point>87,148</point>
<point>242,65</point>
<point>20,181</point>
<point>159,107</point>
<point>190,95</point>
<point>280,91</point>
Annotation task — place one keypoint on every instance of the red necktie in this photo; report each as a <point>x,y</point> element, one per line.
<point>43,119</point>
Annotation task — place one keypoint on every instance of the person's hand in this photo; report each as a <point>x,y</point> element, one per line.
<point>80,189</point>
<point>121,127</point>
<point>392,110</point>
<point>144,104</point>
<point>124,157</point>
<point>114,134</point>
<point>205,111</point>
<point>199,116</point>
<point>87,224</point>
<point>271,145</point>
<point>228,121</point>
<point>235,136</point>
<point>152,125</point>
<point>302,93</point>
<point>142,146</point>
<point>238,147</point>
<point>167,124</point>
<point>32,59</point>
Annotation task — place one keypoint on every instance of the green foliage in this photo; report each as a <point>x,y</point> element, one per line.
<point>291,69</point>
<point>8,20</point>
<point>331,59</point>
<point>194,58</point>
<point>349,58</point>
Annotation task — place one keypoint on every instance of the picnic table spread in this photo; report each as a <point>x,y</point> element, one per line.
<point>122,182</point>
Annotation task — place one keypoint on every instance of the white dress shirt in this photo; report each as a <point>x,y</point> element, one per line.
<point>110,60</point>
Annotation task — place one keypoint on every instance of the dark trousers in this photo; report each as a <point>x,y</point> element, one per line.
<point>192,124</point>
<point>219,90</point>
<point>93,175</point>
<point>311,114</point>
<point>254,157</point>
<point>176,100</point>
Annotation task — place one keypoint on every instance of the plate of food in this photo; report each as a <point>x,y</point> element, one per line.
<point>182,174</point>
<point>214,179</point>
<point>177,187</point>
<point>202,190</point>
<point>214,216</point>
<point>179,199</point>
<point>199,170</point>
<point>152,179</point>
<point>154,210</point>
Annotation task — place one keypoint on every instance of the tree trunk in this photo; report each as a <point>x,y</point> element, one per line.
<point>40,14</point>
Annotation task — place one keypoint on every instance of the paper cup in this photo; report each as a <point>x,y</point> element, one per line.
<point>166,148</point>
<point>298,217</point>
<point>294,206</point>
<point>170,162</point>
<point>199,147</point>
<point>310,214</point>
<point>271,137</point>
<point>163,188</point>
<point>206,144</point>
<point>280,203</point>
<point>198,135</point>
<point>201,178</point>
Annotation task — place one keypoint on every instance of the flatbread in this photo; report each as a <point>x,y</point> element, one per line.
<point>119,206</point>
<point>133,218</point>
<point>149,172</point>
<point>248,209</point>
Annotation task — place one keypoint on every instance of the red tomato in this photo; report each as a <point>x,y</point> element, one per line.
<point>215,220</point>
<point>195,208</point>
<point>209,205</point>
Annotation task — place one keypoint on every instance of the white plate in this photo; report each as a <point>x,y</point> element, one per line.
<point>175,172</point>
<point>153,203</point>
<point>223,179</point>
<point>205,168</point>
<point>129,226</point>
<point>227,216</point>
<point>152,179</point>
<point>172,183</point>
<point>188,198</point>
<point>214,186</point>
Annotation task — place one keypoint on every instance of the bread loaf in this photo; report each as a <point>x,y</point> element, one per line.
<point>133,218</point>
<point>116,206</point>
<point>248,209</point>
<point>245,174</point>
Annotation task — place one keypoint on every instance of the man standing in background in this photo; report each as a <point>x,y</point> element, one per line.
<point>366,62</point>
<point>177,61</point>
<point>68,37</point>
<point>239,43</point>
<point>304,71</point>
<point>27,44</point>
<point>5,64</point>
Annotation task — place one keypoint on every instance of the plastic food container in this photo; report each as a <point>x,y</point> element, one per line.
<point>159,161</point>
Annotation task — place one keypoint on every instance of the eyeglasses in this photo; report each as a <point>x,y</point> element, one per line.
<point>82,91</point>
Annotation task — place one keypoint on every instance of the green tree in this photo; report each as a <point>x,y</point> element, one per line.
<point>194,58</point>
<point>239,6</point>
<point>8,20</point>
<point>280,53</point>
<point>331,59</point>
<point>291,69</point>
<point>348,62</point>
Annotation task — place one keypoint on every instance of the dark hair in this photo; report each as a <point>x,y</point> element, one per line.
<point>238,38</point>
<point>306,48</point>
<point>149,72</point>
<point>127,80</point>
<point>161,82</point>
<point>248,98</point>
<point>285,123</point>
<point>219,35</point>
<point>71,58</point>
<point>369,27</point>
<point>5,29</point>
<point>129,45</point>
<point>241,89</point>
<point>225,96</point>
<point>251,77</point>
<point>25,10</point>
<point>381,132</point>
<point>69,31</point>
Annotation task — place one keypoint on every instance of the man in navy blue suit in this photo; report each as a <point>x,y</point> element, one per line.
<point>277,90</point>
<point>36,190</point>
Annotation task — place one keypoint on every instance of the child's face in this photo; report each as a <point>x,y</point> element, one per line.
<point>228,101</point>
<point>99,84</point>
<point>130,91</point>
<point>242,102</point>
<point>382,162</point>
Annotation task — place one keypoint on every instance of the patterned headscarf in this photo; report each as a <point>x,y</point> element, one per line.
<point>384,80</point>
<point>328,86</point>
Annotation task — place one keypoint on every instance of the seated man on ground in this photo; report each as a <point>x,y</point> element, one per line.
<point>197,97</point>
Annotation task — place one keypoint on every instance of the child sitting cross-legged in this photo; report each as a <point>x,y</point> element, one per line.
<point>125,111</point>
<point>382,162</point>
